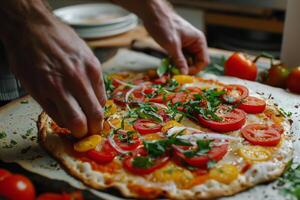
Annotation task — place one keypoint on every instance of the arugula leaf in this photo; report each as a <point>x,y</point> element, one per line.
<point>203,146</point>
<point>142,162</point>
<point>163,68</point>
<point>127,137</point>
<point>109,87</point>
<point>284,113</point>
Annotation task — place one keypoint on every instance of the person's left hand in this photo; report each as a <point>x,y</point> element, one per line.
<point>177,36</point>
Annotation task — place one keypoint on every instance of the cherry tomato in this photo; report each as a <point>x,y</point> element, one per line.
<point>149,90</point>
<point>293,81</point>
<point>123,141</point>
<point>215,154</point>
<point>277,76</point>
<point>239,66</point>
<point>53,196</point>
<point>261,134</point>
<point>137,96</point>
<point>4,174</point>
<point>162,98</point>
<point>235,93</point>
<point>16,187</point>
<point>106,155</point>
<point>253,105</point>
<point>119,96</point>
<point>157,163</point>
<point>231,120</point>
<point>164,115</point>
<point>146,126</point>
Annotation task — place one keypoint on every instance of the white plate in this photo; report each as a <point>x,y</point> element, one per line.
<point>106,31</point>
<point>98,14</point>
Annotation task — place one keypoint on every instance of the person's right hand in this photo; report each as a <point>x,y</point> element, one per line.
<point>62,74</point>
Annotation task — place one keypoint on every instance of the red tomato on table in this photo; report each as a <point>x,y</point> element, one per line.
<point>239,66</point>
<point>4,174</point>
<point>16,187</point>
<point>293,81</point>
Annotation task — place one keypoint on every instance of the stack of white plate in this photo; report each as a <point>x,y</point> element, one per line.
<point>97,20</point>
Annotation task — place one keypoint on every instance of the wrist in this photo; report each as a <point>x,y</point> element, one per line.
<point>19,15</point>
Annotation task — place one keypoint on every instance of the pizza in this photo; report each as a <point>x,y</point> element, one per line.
<point>179,136</point>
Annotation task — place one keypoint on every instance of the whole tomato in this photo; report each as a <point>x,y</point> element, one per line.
<point>240,66</point>
<point>277,76</point>
<point>16,187</point>
<point>4,174</point>
<point>293,81</point>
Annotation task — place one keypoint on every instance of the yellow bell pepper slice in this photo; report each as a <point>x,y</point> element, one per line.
<point>87,143</point>
<point>110,108</point>
<point>225,173</point>
<point>170,124</point>
<point>254,154</point>
<point>183,79</point>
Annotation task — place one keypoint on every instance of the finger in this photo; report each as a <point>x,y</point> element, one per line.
<point>81,89</point>
<point>94,73</point>
<point>178,58</point>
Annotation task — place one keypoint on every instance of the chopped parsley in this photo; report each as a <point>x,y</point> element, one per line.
<point>143,162</point>
<point>203,146</point>
<point>145,111</point>
<point>126,137</point>
<point>2,135</point>
<point>109,87</point>
<point>284,113</point>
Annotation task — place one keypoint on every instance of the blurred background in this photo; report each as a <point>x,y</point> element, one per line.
<point>249,26</point>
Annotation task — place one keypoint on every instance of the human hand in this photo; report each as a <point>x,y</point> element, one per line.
<point>177,37</point>
<point>57,68</point>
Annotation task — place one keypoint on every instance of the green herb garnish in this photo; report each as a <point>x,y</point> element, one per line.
<point>2,135</point>
<point>142,162</point>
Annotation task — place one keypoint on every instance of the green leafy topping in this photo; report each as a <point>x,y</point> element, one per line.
<point>126,137</point>
<point>158,148</point>
<point>203,146</point>
<point>24,102</point>
<point>172,85</point>
<point>166,68</point>
<point>284,113</point>
<point>2,135</point>
<point>142,162</point>
<point>109,87</point>
<point>289,183</point>
<point>146,111</point>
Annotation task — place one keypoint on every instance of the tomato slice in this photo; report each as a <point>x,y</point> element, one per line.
<point>157,163</point>
<point>235,93</point>
<point>118,97</point>
<point>162,98</point>
<point>137,96</point>
<point>261,134</point>
<point>106,155</point>
<point>126,142</point>
<point>215,154</point>
<point>253,105</point>
<point>146,126</point>
<point>231,120</point>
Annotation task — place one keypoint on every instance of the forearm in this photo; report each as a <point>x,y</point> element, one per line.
<point>147,10</point>
<point>16,14</point>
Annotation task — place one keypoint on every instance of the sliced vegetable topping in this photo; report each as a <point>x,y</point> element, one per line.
<point>235,93</point>
<point>253,105</point>
<point>146,126</point>
<point>254,154</point>
<point>225,173</point>
<point>261,134</point>
<point>230,120</point>
<point>105,155</point>
<point>126,140</point>
<point>87,143</point>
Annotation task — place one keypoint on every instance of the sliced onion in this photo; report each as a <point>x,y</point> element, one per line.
<point>115,146</point>
<point>124,83</point>
<point>200,135</point>
<point>130,91</point>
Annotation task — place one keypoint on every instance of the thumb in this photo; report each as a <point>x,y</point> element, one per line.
<point>179,59</point>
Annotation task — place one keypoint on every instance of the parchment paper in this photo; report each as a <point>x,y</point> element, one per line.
<point>18,121</point>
